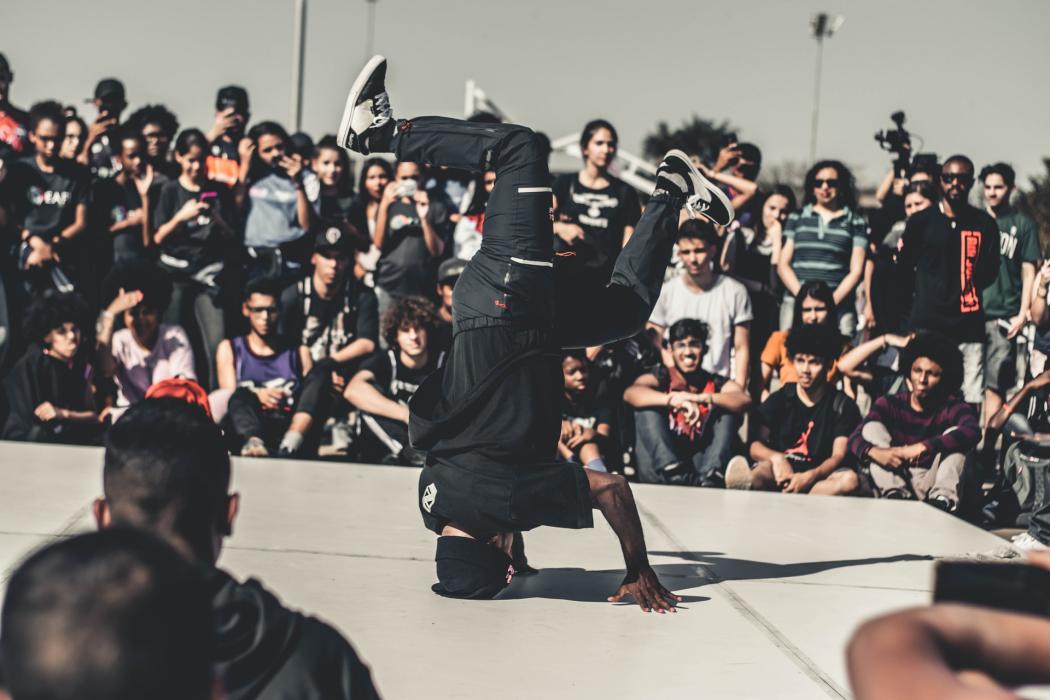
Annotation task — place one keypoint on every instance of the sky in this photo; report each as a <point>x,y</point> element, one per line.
<point>970,75</point>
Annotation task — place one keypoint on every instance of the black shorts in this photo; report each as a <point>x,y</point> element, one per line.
<point>555,494</point>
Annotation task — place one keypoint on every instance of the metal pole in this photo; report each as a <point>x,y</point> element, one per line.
<point>816,100</point>
<point>298,50</point>
<point>371,30</point>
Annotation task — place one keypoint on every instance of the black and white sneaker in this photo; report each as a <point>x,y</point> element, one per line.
<point>677,174</point>
<point>368,122</point>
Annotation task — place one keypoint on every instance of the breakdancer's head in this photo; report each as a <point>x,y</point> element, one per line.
<point>167,472</point>
<point>472,568</point>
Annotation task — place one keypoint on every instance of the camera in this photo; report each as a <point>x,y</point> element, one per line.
<point>897,141</point>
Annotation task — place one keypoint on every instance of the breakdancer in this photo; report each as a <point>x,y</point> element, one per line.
<point>489,420</point>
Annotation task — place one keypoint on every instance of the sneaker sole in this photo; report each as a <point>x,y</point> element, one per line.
<point>738,478</point>
<point>343,135</point>
<point>708,185</point>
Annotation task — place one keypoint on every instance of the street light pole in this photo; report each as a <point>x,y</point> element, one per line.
<point>298,49</point>
<point>823,27</point>
<point>370,31</point>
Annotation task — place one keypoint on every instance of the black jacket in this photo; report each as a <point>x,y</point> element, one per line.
<point>267,651</point>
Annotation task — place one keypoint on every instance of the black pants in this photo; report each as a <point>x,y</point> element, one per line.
<point>245,416</point>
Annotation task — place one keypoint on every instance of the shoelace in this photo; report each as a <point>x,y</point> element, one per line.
<point>381,108</point>
<point>697,205</point>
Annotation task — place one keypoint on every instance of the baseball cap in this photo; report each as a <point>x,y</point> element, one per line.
<point>333,237</point>
<point>469,568</point>
<point>451,269</point>
<point>232,96</point>
<point>181,388</point>
<point>109,89</point>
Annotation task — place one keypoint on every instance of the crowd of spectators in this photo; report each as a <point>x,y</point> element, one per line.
<point>812,346</point>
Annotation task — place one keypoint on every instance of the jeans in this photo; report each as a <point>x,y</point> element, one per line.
<point>941,479</point>
<point>656,448</point>
<point>199,311</point>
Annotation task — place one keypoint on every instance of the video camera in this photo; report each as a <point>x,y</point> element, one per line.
<point>897,141</point>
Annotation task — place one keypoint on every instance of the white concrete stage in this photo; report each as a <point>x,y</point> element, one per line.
<point>773,584</point>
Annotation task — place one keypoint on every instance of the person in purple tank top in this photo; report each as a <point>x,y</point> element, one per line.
<point>271,408</point>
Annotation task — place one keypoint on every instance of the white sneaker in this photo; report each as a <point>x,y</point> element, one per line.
<point>1026,543</point>
<point>368,121</point>
<point>738,474</point>
<point>676,173</point>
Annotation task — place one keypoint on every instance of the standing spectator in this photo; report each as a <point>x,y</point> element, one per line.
<point>145,351</point>
<point>276,210</point>
<point>814,306</point>
<point>386,381</point>
<point>99,151</point>
<point>466,238</point>
<point>586,417</point>
<point>14,128</point>
<point>887,286</point>
<point>49,388</point>
<point>685,417</point>
<point>194,239</point>
<point>410,235</point>
<point>916,443</point>
<point>954,250</point>
<point>803,429</point>
<point>376,174</point>
<point>50,202</point>
<point>270,408</point>
<point>158,127</point>
<point>597,211</point>
<point>448,274</point>
<point>736,170</point>
<point>76,132</point>
<point>333,169</point>
<point>826,241</point>
<point>701,293</point>
<point>122,206</point>
<point>1006,301</point>
<point>224,136</point>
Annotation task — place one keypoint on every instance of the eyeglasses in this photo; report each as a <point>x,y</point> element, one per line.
<point>831,182</point>
<point>948,178</point>
<point>687,345</point>
<point>259,310</point>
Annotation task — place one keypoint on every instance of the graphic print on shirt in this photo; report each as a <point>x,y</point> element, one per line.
<point>594,204</point>
<point>1008,243</point>
<point>969,247</point>
<point>800,450</point>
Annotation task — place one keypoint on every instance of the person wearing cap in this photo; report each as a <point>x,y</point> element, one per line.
<point>231,121</point>
<point>97,152</point>
<point>448,272</point>
<point>14,131</point>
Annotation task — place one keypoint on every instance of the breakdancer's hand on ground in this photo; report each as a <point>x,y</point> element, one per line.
<point>647,591</point>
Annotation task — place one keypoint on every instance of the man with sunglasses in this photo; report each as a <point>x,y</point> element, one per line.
<point>954,250</point>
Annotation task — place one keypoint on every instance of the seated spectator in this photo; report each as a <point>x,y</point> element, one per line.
<point>225,135</point>
<point>410,234</point>
<point>686,417</point>
<point>466,237</point>
<point>195,238</point>
<point>880,375</point>
<point>701,293</point>
<point>586,416</point>
<point>158,127</point>
<point>49,389</point>
<point>448,272</point>
<point>803,429</point>
<point>145,351</point>
<point>270,408</point>
<point>388,379</point>
<point>167,472</point>
<point>121,206</point>
<point>115,614</point>
<point>916,443</point>
<point>814,306</point>
<point>274,205</point>
<point>13,121</point>
<point>826,241</point>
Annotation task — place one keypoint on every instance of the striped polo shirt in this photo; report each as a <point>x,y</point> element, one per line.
<point>823,249</point>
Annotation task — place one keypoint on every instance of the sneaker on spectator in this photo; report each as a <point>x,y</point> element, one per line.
<point>368,122</point>
<point>942,503</point>
<point>1026,543</point>
<point>738,474</point>
<point>677,174</point>
<point>254,447</point>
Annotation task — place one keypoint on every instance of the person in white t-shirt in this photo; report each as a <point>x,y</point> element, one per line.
<point>144,351</point>
<point>702,293</point>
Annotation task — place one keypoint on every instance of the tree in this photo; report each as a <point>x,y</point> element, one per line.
<point>1036,203</point>
<point>696,136</point>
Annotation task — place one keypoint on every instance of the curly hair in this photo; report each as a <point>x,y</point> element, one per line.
<point>821,341</point>
<point>408,312</point>
<point>939,349</point>
<point>847,186</point>
<point>51,311</point>
<point>155,114</point>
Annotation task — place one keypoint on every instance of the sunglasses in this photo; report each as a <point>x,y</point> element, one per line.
<point>831,182</point>
<point>259,310</point>
<point>948,178</point>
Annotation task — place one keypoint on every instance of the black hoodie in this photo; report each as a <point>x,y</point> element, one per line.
<point>267,651</point>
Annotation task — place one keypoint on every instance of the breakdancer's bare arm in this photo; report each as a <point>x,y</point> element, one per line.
<point>611,494</point>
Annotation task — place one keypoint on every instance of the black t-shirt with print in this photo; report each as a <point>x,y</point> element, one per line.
<point>393,379</point>
<point>110,204</point>
<point>405,266</point>
<point>195,244</point>
<point>45,203</point>
<point>806,433</point>
<point>602,214</point>
<point>588,409</point>
<point>326,326</point>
